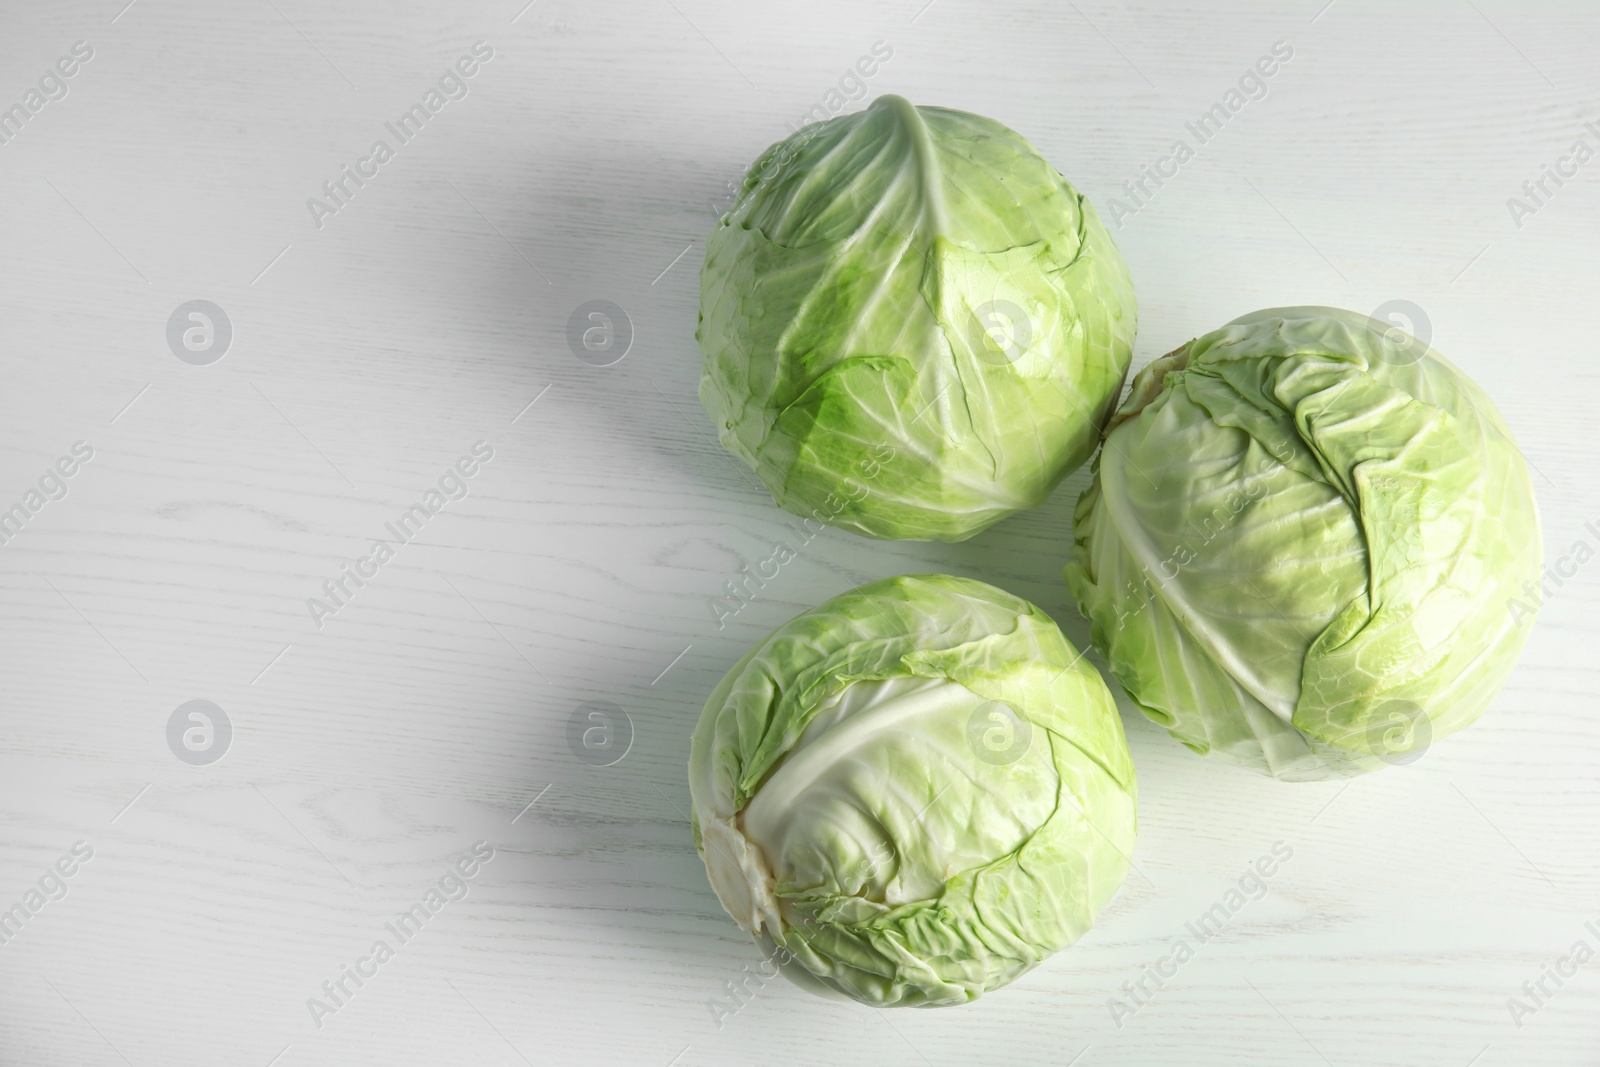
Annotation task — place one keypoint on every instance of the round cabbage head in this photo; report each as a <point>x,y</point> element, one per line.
<point>912,325</point>
<point>913,793</point>
<point>1305,545</point>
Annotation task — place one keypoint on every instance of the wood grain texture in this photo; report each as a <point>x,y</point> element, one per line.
<point>429,713</point>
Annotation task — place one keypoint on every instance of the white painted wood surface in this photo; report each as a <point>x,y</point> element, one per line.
<point>432,710</point>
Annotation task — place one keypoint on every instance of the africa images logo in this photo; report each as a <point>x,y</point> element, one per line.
<point>452,85</point>
<point>452,486</point>
<point>452,886</point>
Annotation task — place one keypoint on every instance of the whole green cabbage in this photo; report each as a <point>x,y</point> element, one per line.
<point>1301,544</point>
<point>912,325</point>
<point>913,793</point>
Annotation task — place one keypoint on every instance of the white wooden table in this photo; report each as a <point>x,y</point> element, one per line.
<point>371,347</point>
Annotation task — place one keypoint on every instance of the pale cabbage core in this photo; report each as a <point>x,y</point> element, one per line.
<point>836,813</point>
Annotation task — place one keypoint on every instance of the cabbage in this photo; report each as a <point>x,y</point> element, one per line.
<point>1302,543</point>
<point>912,325</point>
<point>913,793</point>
